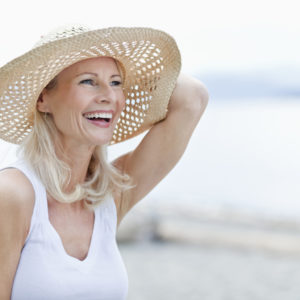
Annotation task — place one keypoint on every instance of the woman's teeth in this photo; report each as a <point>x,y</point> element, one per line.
<point>105,116</point>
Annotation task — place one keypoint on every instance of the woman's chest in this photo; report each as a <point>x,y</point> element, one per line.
<point>75,231</point>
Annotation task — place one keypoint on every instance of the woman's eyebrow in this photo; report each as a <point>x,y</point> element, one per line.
<point>90,73</point>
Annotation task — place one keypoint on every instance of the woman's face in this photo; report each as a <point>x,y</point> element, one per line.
<point>86,102</point>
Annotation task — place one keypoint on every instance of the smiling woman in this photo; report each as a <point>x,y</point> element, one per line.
<point>64,102</point>
<point>70,110</point>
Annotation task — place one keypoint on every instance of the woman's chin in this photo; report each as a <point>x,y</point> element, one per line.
<point>97,137</point>
<point>100,141</point>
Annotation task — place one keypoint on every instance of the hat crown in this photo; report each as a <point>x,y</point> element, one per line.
<point>61,33</point>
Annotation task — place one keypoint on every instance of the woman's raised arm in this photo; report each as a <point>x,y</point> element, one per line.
<point>164,144</point>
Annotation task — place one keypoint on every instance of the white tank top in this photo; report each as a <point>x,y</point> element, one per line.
<point>47,272</point>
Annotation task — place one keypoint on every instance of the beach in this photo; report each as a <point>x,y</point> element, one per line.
<point>214,258</point>
<point>165,271</point>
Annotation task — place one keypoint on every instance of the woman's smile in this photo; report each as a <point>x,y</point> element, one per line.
<point>100,118</point>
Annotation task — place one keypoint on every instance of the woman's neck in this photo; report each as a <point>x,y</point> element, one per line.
<point>78,158</point>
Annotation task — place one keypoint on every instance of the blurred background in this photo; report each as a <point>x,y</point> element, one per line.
<point>225,223</point>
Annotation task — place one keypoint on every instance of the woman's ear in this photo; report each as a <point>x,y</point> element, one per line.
<point>42,104</point>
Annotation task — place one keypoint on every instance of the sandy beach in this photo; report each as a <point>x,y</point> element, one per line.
<point>165,271</point>
<point>209,257</point>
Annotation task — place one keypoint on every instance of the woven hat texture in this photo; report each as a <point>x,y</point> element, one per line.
<point>151,62</point>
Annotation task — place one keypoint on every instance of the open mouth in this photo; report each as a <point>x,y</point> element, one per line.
<point>101,117</point>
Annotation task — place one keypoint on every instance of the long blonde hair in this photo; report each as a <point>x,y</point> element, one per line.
<point>39,150</point>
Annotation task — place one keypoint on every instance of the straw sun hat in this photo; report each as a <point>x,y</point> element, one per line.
<point>151,62</point>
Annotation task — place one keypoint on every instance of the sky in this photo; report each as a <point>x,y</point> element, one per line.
<point>212,35</point>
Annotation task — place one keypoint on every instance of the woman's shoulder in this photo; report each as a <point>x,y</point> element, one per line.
<point>15,184</point>
<point>16,206</point>
<point>16,197</point>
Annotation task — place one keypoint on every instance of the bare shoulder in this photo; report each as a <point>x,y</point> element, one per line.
<point>14,185</point>
<point>16,197</point>
<point>16,206</point>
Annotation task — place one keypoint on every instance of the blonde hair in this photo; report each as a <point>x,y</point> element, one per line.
<point>39,149</point>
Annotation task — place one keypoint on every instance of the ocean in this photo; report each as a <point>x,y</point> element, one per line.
<point>242,157</point>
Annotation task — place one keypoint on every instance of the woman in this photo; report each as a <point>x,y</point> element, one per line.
<point>60,204</point>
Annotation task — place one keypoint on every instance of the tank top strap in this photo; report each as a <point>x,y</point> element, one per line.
<point>108,212</point>
<point>40,202</point>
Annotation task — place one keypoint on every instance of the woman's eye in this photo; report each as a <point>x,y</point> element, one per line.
<point>87,81</point>
<point>116,82</point>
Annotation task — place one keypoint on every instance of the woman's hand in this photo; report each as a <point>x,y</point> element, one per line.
<point>164,144</point>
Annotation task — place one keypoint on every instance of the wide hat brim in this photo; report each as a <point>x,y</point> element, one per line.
<point>150,58</point>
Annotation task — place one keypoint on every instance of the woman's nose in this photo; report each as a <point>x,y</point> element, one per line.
<point>106,94</point>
